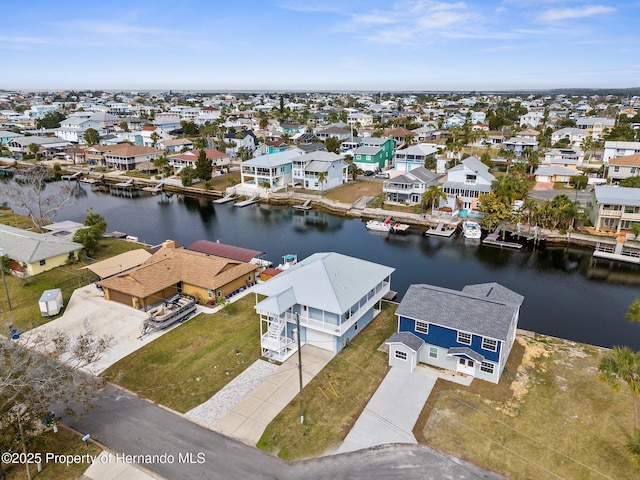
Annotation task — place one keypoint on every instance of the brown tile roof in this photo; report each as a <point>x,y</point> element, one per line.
<point>629,160</point>
<point>168,266</point>
<point>222,250</point>
<point>398,132</point>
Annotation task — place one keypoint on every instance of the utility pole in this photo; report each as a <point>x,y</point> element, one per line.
<point>4,280</point>
<point>300,366</point>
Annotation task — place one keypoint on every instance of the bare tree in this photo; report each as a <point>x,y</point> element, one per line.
<point>30,195</point>
<point>38,372</point>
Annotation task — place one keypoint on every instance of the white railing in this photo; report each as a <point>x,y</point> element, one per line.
<point>611,213</point>
<point>379,292</point>
<point>631,216</point>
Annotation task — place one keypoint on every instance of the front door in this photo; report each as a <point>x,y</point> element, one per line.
<point>466,366</point>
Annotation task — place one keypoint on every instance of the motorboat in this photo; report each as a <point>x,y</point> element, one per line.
<point>471,229</point>
<point>380,225</point>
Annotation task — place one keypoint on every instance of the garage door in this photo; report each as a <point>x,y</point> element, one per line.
<point>320,339</point>
<point>542,178</point>
<point>120,297</point>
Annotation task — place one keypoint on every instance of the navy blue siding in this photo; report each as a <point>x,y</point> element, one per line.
<point>446,338</point>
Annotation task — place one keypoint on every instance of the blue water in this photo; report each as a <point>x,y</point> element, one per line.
<point>566,293</point>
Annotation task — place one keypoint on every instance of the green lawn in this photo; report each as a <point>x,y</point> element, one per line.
<point>189,364</point>
<point>335,398</point>
<point>556,420</point>
<point>25,293</point>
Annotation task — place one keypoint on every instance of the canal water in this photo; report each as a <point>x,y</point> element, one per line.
<point>567,294</point>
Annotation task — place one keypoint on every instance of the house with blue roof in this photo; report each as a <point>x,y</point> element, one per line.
<point>331,296</point>
<point>469,332</point>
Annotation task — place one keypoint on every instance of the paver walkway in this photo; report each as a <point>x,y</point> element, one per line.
<point>249,418</point>
<point>393,410</point>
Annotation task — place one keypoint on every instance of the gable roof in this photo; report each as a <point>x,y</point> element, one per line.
<point>131,151</point>
<point>406,338</point>
<point>629,161</point>
<point>485,309</point>
<point>475,165</point>
<point>29,247</point>
<point>328,281</point>
<point>273,159</point>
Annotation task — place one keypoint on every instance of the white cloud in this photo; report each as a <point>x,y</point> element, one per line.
<point>557,14</point>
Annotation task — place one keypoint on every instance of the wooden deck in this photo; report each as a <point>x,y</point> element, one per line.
<point>305,206</point>
<point>440,231</point>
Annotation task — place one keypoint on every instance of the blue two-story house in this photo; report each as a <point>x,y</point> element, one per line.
<point>469,332</point>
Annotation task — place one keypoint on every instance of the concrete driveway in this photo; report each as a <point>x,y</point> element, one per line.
<point>249,418</point>
<point>393,410</point>
<point>88,310</point>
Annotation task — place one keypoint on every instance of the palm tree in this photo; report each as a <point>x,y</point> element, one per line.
<point>433,194</point>
<point>622,365</point>
<point>530,209</point>
<point>587,144</point>
<point>322,179</point>
<point>354,171</point>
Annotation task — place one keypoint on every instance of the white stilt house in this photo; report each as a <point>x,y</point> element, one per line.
<point>331,296</point>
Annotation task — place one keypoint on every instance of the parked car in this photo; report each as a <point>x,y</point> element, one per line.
<point>383,175</point>
<point>369,173</point>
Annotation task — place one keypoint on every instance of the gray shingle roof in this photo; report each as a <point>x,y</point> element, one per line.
<point>29,247</point>
<point>366,151</point>
<point>554,171</point>
<point>467,352</point>
<point>618,195</point>
<point>406,338</point>
<point>487,312</point>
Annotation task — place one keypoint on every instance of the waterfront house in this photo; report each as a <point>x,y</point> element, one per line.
<point>469,332</point>
<point>32,253</point>
<point>332,296</point>
<point>228,251</point>
<point>307,167</point>
<point>409,187</point>
<point>465,183</point>
<point>414,156</point>
<point>623,167</point>
<point>173,270</point>
<point>274,169</point>
<point>129,157</point>
<point>614,208</point>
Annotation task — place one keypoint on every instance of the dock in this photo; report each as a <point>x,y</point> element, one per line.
<point>249,201</point>
<point>618,252</point>
<point>75,176</point>
<point>305,206</point>
<point>124,189</point>
<point>227,198</point>
<point>400,228</point>
<point>441,231</point>
<point>390,295</point>
<point>155,189</point>
<point>493,239</point>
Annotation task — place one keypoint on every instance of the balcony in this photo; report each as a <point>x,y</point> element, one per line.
<point>338,330</point>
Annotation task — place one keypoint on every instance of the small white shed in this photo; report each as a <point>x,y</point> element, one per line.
<point>51,302</point>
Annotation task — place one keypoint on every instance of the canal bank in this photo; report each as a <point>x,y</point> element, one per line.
<point>357,209</point>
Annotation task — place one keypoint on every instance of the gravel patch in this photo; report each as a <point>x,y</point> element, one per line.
<point>230,395</point>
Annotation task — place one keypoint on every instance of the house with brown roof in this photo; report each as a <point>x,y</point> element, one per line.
<point>623,167</point>
<point>170,271</point>
<point>129,157</point>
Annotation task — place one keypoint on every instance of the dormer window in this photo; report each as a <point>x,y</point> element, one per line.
<point>470,179</point>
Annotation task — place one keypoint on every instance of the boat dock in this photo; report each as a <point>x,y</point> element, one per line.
<point>156,189</point>
<point>619,252</point>
<point>305,206</point>
<point>493,239</point>
<point>399,228</point>
<point>227,198</point>
<point>249,201</point>
<point>75,176</point>
<point>124,189</point>
<point>441,231</point>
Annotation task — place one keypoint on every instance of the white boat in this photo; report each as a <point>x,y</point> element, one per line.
<point>380,225</point>
<point>177,309</point>
<point>471,229</point>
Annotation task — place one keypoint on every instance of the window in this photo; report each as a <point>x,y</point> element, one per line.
<point>401,355</point>
<point>464,338</point>
<point>355,325</point>
<point>433,352</point>
<point>422,327</point>
<point>282,169</point>
<point>249,278</point>
<point>219,293</point>
<point>489,344</point>
<point>616,169</point>
<point>486,367</point>
<point>43,262</point>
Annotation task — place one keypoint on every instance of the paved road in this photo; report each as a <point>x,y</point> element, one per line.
<point>127,424</point>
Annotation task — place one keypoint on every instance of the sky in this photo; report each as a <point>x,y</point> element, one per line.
<point>277,45</point>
